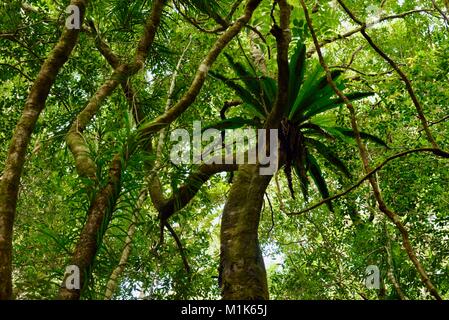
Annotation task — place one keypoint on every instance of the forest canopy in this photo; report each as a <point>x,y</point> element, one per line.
<point>246,150</point>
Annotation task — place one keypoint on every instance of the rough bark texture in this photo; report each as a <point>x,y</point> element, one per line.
<point>390,271</point>
<point>98,218</point>
<point>100,211</point>
<point>282,34</point>
<point>167,207</point>
<point>242,269</point>
<point>348,34</point>
<point>9,182</point>
<point>200,77</point>
<point>85,165</point>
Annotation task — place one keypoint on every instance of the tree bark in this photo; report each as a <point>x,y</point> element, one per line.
<point>365,159</point>
<point>113,282</point>
<point>98,218</point>
<point>201,74</point>
<point>101,209</point>
<point>242,274</point>
<point>84,164</point>
<point>390,272</point>
<point>242,269</point>
<point>9,181</point>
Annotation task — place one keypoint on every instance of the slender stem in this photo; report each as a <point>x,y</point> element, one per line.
<point>364,155</point>
<point>401,74</point>
<point>390,272</point>
<point>368,175</point>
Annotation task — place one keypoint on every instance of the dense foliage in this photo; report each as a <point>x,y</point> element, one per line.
<point>318,254</point>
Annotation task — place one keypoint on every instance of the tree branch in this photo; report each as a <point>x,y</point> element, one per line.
<point>364,155</point>
<point>368,175</point>
<point>445,17</point>
<point>190,96</point>
<point>401,74</point>
<point>282,34</point>
<point>112,284</point>
<point>35,103</point>
<point>180,247</point>
<point>85,165</point>
<point>186,192</point>
<point>357,30</point>
<point>390,272</point>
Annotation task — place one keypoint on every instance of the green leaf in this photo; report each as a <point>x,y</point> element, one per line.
<point>349,133</point>
<point>232,123</point>
<point>303,180</point>
<point>306,89</point>
<point>322,101</point>
<point>320,182</point>
<point>249,78</point>
<point>270,90</point>
<point>328,155</point>
<point>243,93</point>
<point>296,71</point>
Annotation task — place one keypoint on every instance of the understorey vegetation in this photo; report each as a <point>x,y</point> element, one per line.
<point>345,198</point>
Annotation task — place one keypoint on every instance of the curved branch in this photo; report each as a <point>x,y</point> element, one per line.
<point>445,17</point>
<point>200,77</point>
<point>98,218</point>
<point>367,176</point>
<point>10,179</point>
<point>182,196</point>
<point>85,165</point>
<point>180,247</point>
<point>364,155</point>
<point>114,62</point>
<point>112,284</point>
<point>357,30</point>
<point>398,70</point>
<point>390,272</point>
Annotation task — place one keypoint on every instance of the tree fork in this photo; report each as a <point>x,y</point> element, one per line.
<point>242,274</point>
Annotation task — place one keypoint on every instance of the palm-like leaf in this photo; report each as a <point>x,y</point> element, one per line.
<point>309,96</point>
<point>325,104</point>
<point>328,155</point>
<point>248,97</point>
<point>232,123</point>
<point>320,182</point>
<point>296,72</point>
<point>344,133</point>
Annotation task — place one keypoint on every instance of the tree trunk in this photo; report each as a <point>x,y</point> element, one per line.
<point>9,181</point>
<point>242,269</point>
<point>98,218</point>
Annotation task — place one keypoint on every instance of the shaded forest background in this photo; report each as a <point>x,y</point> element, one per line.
<point>98,154</point>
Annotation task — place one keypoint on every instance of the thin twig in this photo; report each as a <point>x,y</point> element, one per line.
<point>399,71</point>
<point>367,176</point>
<point>358,29</point>
<point>180,247</point>
<point>441,12</point>
<point>272,213</point>
<point>390,272</point>
<point>364,156</point>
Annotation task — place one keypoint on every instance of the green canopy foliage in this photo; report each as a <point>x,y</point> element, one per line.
<point>320,254</point>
